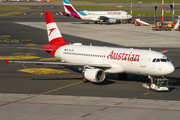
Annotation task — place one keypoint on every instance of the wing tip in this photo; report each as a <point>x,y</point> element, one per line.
<point>164,49</point>
<point>6,61</point>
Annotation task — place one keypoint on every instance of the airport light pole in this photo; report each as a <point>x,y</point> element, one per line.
<point>155,13</point>
<point>162,10</point>
<point>173,10</point>
<point>131,7</point>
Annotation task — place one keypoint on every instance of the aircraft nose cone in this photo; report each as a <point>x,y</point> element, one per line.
<point>170,69</point>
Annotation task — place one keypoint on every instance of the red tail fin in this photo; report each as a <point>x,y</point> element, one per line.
<point>54,35</point>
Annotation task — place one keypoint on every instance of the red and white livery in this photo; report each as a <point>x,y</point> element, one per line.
<point>96,61</point>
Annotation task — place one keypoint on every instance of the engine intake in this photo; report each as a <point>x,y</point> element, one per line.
<point>94,75</point>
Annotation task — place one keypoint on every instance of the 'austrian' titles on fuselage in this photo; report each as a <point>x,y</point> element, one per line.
<point>124,56</point>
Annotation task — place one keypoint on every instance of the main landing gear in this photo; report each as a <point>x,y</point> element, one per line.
<point>84,80</point>
<point>122,76</point>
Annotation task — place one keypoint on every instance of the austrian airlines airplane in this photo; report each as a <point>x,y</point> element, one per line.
<point>97,16</point>
<point>96,61</point>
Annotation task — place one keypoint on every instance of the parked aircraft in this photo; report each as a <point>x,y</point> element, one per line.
<point>97,16</point>
<point>96,61</point>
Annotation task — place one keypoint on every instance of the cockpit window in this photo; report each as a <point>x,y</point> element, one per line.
<point>154,60</point>
<point>158,60</point>
<point>163,60</point>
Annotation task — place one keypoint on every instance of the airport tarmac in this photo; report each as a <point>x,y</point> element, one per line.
<point>57,92</point>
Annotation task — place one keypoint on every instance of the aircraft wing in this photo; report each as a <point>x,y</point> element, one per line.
<point>103,18</point>
<point>107,19</point>
<point>63,64</point>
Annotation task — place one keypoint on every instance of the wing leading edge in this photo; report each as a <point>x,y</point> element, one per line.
<point>99,65</point>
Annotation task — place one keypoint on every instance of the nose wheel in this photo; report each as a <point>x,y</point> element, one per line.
<point>122,76</point>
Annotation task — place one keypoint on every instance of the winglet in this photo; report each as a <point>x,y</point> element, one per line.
<point>164,50</point>
<point>6,61</point>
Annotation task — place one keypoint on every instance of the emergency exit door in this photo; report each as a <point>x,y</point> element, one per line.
<point>143,60</point>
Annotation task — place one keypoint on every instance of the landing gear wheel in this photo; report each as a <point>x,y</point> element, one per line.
<point>122,76</point>
<point>84,80</point>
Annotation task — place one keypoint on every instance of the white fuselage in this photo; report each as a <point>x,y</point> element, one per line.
<point>95,15</point>
<point>122,60</point>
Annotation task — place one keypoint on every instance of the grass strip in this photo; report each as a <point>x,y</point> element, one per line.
<point>10,13</point>
<point>13,7</point>
<point>105,7</point>
<point>151,13</point>
<point>134,1</point>
<point>76,2</point>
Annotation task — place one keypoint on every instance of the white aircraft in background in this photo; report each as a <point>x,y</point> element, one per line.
<point>96,61</point>
<point>97,16</point>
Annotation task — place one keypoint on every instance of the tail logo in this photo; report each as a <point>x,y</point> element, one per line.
<point>51,31</point>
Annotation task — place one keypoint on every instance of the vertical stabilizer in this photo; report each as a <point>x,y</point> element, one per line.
<point>65,2</point>
<point>70,9</point>
<point>54,35</point>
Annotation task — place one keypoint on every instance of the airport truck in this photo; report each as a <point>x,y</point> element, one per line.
<point>158,26</point>
<point>158,85</point>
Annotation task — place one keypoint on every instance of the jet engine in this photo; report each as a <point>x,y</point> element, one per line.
<point>94,75</point>
<point>111,20</point>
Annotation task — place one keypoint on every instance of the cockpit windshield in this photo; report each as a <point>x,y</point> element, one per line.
<point>160,60</point>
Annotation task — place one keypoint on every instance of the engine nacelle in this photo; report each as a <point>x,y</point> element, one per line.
<point>111,20</point>
<point>65,14</point>
<point>94,75</point>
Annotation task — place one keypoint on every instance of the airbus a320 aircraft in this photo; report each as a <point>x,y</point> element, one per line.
<point>96,61</point>
<point>97,16</point>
